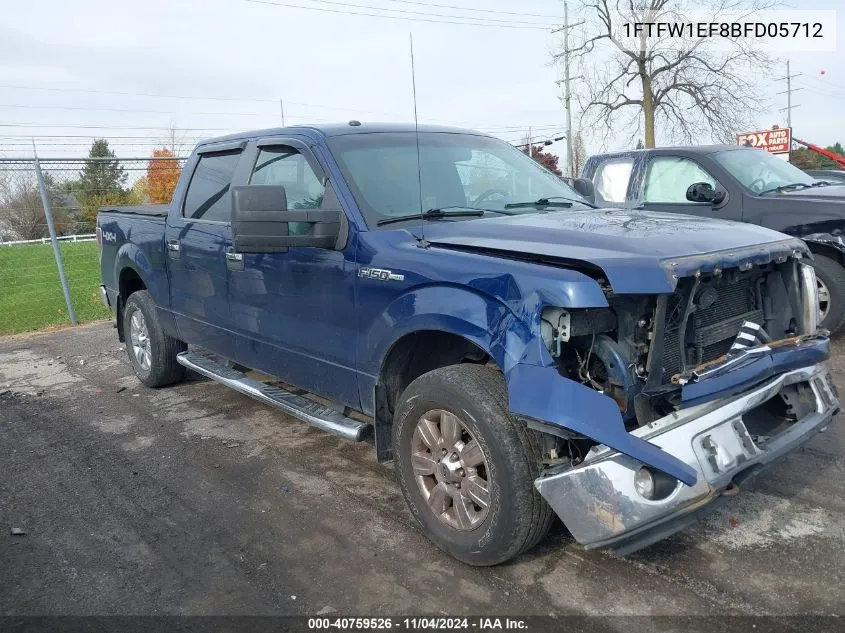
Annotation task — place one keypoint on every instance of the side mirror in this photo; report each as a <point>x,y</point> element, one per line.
<point>261,221</point>
<point>704,192</point>
<point>585,188</point>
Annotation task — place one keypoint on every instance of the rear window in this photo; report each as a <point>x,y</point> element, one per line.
<point>611,180</point>
<point>207,196</point>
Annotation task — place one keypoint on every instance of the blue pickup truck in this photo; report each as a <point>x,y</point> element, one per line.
<point>515,351</point>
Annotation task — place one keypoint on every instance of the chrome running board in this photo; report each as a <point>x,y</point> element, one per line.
<point>313,413</point>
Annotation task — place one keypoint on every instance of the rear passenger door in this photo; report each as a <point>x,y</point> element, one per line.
<point>198,236</point>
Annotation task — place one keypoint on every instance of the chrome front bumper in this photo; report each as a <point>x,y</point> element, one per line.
<point>597,499</point>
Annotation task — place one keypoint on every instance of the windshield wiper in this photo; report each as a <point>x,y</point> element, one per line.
<point>543,203</point>
<point>794,185</point>
<point>434,214</point>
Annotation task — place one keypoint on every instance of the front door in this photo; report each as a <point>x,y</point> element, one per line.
<point>197,241</point>
<point>667,179</point>
<point>294,311</point>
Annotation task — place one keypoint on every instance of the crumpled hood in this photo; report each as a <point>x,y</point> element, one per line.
<point>638,251</point>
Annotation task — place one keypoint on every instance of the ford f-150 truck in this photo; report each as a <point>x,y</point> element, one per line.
<point>734,182</point>
<point>514,351</point>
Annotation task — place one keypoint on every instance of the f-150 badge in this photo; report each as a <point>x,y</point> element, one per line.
<point>381,274</point>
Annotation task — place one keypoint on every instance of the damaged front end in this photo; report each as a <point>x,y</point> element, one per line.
<point>661,404</point>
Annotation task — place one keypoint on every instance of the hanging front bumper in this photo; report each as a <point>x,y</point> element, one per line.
<point>598,500</point>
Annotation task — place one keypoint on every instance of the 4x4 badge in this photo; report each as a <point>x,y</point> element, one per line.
<point>382,274</point>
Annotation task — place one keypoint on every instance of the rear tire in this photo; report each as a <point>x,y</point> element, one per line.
<point>446,492</point>
<point>831,276</point>
<point>151,351</point>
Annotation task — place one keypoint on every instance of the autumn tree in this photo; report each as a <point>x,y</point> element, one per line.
<point>549,161</point>
<point>163,172</point>
<point>682,87</point>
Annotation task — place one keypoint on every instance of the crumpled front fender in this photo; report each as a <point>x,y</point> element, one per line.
<point>540,392</point>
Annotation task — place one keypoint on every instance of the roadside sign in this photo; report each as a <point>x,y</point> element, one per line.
<point>776,141</point>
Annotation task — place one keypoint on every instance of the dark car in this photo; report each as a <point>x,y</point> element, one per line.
<point>732,182</point>
<point>833,176</point>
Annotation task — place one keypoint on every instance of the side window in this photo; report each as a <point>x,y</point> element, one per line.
<point>668,177</point>
<point>611,180</point>
<point>287,167</point>
<point>207,197</point>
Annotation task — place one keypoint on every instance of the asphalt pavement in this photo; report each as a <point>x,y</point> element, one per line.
<point>194,499</point>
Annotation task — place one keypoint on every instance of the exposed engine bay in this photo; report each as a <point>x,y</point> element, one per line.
<point>641,349</point>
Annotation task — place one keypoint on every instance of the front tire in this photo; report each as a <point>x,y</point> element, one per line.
<point>151,351</point>
<point>831,279</point>
<point>466,467</point>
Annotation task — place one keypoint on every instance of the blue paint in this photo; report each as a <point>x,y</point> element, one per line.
<point>755,369</point>
<point>305,316</point>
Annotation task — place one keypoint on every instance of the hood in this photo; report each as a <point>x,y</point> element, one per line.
<point>637,251</point>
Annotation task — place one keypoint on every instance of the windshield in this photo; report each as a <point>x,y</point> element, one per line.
<point>457,171</point>
<point>758,170</point>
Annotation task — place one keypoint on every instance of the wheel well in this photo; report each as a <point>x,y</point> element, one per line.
<point>409,358</point>
<point>128,282</point>
<point>828,251</point>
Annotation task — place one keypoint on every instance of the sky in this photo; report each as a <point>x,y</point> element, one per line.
<point>131,71</point>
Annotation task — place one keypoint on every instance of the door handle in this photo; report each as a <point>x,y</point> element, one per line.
<point>234,261</point>
<point>174,249</point>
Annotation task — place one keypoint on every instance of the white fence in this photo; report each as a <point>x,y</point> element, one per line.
<point>87,237</point>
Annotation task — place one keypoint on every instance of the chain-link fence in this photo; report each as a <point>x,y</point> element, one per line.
<point>31,294</point>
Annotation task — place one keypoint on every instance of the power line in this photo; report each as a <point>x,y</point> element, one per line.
<point>424,13</point>
<point>526,25</point>
<point>116,127</point>
<point>130,110</point>
<point>487,11</point>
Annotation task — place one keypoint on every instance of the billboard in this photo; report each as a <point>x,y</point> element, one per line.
<point>776,141</point>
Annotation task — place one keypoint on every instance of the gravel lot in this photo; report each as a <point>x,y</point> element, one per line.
<point>194,499</point>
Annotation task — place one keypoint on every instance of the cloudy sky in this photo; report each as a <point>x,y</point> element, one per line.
<point>131,71</point>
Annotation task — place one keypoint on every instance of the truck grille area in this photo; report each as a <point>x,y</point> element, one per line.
<point>717,311</point>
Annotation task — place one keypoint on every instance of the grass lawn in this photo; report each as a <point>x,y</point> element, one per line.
<point>31,295</point>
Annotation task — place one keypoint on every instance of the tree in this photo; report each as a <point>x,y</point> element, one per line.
<point>163,173</point>
<point>549,161</point>
<point>684,86</point>
<point>101,182</point>
<point>21,211</point>
<point>805,158</point>
<point>579,154</point>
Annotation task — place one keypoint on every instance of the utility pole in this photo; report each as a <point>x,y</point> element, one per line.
<point>567,95</point>
<point>282,108</point>
<point>788,92</point>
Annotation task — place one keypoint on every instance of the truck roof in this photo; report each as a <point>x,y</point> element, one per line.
<point>337,129</point>
<point>680,149</point>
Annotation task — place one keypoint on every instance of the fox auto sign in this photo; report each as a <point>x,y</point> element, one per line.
<point>776,141</point>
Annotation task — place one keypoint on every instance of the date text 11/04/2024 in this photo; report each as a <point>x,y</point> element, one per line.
<point>419,623</point>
